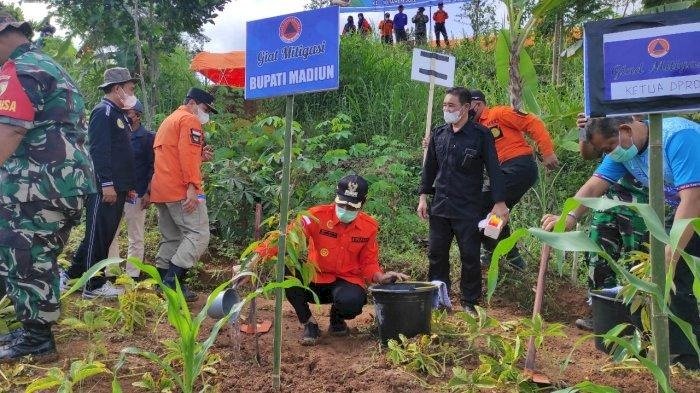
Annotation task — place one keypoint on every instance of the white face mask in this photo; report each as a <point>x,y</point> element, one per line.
<point>202,115</point>
<point>128,100</point>
<point>451,117</point>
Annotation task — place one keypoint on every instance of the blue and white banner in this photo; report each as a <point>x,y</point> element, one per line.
<point>382,5</point>
<point>292,54</point>
<point>653,62</point>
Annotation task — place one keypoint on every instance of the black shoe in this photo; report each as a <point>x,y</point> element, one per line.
<point>338,329</point>
<point>176,272</point>
<point>585,324</point>
<point>36,340</point>
<point>311,334</point>
<point>515,260</point>
<point>7,338</point>
<point>470,309</point>
<point>485,259</point>
<point>689,362</point>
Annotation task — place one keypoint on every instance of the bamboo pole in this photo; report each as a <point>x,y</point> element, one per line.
<point>659,319</point>
<point>539,296</point>
<point>282,244</point>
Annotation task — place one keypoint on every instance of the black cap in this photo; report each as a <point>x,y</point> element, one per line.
<point>202,97</point>
<point>440,4</point>
<point>421,9</point>
<point>477,95</point>
<point>400,6</point>
<point>351,190</point>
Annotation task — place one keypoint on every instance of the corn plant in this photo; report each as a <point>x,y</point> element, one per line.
<point>579,241</point>
<point>194,353</point>
<point>136,304</point>
<point>59,381</point>
<point>151,384</point>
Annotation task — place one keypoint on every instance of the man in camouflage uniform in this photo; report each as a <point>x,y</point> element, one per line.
<point>45,173</point>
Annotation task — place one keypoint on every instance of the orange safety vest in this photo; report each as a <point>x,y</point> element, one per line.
<point>346,251</point>
<point>508,127</point>
<point>178,156</point>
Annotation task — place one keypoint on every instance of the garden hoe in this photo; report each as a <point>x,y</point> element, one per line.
<point>529,371</point>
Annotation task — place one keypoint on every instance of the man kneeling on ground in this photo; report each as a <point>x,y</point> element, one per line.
<point>342,242</point>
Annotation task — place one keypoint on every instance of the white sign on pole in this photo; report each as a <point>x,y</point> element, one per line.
<point>433,67</point>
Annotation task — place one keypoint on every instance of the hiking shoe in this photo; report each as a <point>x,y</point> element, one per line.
<point>63,280</point>
<point>36,341</point>
<point>517,263</point>
<point>485,259</point>
<point>689,362</point>
<point>585,324</point>
<point>107,291</point>
<point>470,309</point>
<point>7,338</point>
<point>339,329</point>
<point>311,334</point>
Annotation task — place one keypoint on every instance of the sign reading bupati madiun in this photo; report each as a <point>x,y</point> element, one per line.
<point>292,54</point>
<point>650,64</point>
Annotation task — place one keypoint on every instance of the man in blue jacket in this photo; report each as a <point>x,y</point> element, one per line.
<point>400,22</point>
<point>110,148</point>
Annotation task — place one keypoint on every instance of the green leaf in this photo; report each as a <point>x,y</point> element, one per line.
<point>502,57</point>
<point>651,219</point>
<point>566,241</point>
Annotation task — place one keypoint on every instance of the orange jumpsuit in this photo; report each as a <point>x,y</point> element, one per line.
<point>346,251</point>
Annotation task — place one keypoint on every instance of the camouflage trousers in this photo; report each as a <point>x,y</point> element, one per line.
<point>32,235</point>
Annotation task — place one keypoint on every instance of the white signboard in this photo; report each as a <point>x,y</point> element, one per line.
<point>433,67</point>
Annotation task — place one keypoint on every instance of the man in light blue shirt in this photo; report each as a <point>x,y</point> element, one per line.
<point>625,142</point>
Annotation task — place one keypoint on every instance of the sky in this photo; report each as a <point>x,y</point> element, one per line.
<point>228,31</point>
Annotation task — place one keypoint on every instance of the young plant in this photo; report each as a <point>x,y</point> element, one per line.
<point>57,380</point>
<point>417,355</point>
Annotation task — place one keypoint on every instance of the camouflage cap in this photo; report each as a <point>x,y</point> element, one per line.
<point>115,75</point>
<point>7,20</point>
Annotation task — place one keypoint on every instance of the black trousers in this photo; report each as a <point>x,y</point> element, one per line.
<point>401,35</point>
<point>520,174</point>
<point>684,304</point>
<point>346,298</point>
<point>440,28</point>
<point>466,230</point>
<point>101,224</point>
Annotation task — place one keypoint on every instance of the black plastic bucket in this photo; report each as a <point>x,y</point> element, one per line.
<point>609,312</point>
<point>403,308</point>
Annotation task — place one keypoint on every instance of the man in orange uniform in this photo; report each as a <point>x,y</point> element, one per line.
<point>508,127</point>
<point>343,247</point>
<point>439,17</point>
<point>176,189</point>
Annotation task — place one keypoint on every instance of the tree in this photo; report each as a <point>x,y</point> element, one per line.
<point>481,15</point>
<point>120,29</point>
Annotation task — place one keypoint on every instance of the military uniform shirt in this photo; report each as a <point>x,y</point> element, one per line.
<point>38,95</point>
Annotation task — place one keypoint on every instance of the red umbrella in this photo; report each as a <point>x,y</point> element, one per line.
<point>221,68</point>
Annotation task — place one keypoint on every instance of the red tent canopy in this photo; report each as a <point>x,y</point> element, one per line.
<point>221,68</point>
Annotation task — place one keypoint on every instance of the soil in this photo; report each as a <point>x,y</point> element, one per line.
<point>357,363</point>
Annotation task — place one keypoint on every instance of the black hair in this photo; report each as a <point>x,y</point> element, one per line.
<point>109,88</point>
<point>464,95</point>
<point>607,127</point>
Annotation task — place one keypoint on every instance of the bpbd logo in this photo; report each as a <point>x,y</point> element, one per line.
<point>658,47</point>
<point>290,29</point>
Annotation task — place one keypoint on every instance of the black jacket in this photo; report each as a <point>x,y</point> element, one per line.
<point>454,170</point>
<point>110,146</point>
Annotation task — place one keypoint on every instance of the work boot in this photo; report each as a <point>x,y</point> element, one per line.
<point>585,324</point>
<point>36,340</point>
<point>471,309</point>
<point>7,338</point>
<point>338,327</point>
<point>485,258</point>
<point>689,362</point>
<point>176,272</point>
<point>311,333</point>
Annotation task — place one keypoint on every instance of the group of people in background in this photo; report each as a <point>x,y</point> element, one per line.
<point>396,27</point>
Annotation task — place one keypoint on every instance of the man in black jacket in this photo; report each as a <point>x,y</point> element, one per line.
<point>453,169</point>
<point>110,148</point>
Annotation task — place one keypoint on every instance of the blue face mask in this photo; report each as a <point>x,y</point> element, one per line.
<point>344,215</point>
<point>621,154</point>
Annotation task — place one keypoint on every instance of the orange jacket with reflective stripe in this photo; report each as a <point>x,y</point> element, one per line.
<point>440,16</point>
<point>178,156</point>
<point>347,251</point>
<point>508,127</point>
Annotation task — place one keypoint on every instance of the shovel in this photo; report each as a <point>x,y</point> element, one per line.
<point>529,371</point>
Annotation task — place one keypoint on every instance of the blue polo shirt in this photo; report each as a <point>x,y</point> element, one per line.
<point>680,143</point>
<point>142,145</point>
<point>400,21</point>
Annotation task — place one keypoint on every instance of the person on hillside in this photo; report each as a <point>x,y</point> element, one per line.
<point>363,25</point>
<point>625,142</point>
<point>386,29</point>
<point>111,153</point>
<point>176,189</point>
<point>509,127</point>
<point>349,27</point>
<point>342,241</point>
<point>400,22</point>
<point>618,231</point>
<point>421,20</point>
<point>440,17</point>
<point>135,208</point>
<point>45,176</point>
<point>457,154</point>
